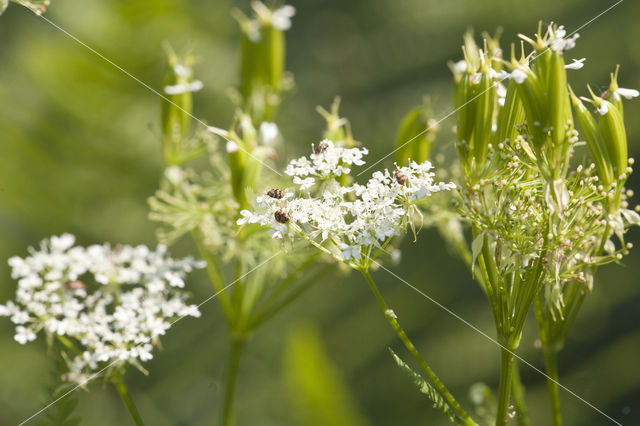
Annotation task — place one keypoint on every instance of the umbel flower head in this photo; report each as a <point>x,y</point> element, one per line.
<point>106,305</point>
<point>347,221</point>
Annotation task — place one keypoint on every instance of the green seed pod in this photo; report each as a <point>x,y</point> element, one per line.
<point>510,115</point>
<point>485,102</point>
<point>614,135</point>
<point>416,135</point>
<point>262,56</point>
<point>465,112</point>
<point>591,134</point>
<point>532,95</point>
<point>558,99</point>
<point>178,84</point>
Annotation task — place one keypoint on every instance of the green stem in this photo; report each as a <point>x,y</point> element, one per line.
<point>390,316</point>
<point>228,414</point>
<point>126,398</point>
<point>213,271</point>
<point>504,393</point>
<point>522,411</point>
<point>551,365</point>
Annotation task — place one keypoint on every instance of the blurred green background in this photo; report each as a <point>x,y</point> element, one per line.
<point>80,153</point>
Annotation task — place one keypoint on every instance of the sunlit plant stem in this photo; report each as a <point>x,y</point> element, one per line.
<point>391,319</point>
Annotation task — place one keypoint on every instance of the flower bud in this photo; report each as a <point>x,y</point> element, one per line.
<point>416,135</point>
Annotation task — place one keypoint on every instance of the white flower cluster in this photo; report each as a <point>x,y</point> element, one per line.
<point>352,218</point>
<point>558,39</point>
<point>326,161</point>
<point>113,303</point>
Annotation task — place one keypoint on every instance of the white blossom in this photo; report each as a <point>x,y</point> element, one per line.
<point>518,75</point>
<point>576,64</point>
<point>180,88</point>
<point>113,303</point>
<point>624,93</point>
<point>352,218</point>
<point>558,41</point>
<point>281,17</point>
<point>268,132</point>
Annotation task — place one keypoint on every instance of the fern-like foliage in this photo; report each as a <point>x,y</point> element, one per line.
<point>426,388</point>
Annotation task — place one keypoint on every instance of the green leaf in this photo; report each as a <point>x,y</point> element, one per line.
<point>476,248</point>
<point>427,389</point>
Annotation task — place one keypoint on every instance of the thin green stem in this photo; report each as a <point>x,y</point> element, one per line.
<point>519,402</point>
<point>504,393</point>
<point>213,271</point>
<point>126,398</point>
<point>228,413</point>
<point>390,316</point>
<point>551,364</point>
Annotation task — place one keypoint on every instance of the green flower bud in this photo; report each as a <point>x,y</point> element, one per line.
<point>416,135</point>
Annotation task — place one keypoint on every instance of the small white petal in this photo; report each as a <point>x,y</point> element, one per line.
<point>627,93</point>
<point>518,76</point>
<point>576,64</point>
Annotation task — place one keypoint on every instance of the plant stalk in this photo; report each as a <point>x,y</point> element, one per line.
<point>504,393</point>
<point>228,414</point>
<point>519,402</point>
<point>126,398</point>
<point>414,352</point>
<point>551,366</point>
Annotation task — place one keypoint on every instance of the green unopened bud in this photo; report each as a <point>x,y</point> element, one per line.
<point>416,135</point>
<point>178,105</point>
<point>591,134</point>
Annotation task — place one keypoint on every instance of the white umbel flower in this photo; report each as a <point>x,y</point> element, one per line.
<point>107,301</point>
<point>346,220</point>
